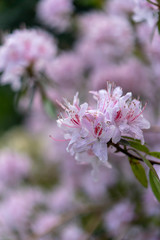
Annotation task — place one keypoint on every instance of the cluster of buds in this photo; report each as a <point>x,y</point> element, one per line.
<point>92,130</point>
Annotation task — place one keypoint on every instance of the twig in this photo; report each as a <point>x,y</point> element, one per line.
<point>119,149</point>
<point>153,3</point>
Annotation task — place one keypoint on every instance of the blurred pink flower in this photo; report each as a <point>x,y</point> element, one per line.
<point>55,13</point>
<point>66,69</point>
<point>44,222</point>
<point>110,39</point>
<point>125,74</point>
<point>24,50</point>
<point>120,7</point>
<point>17,208</point>
<point>73,232</point>
<point>118,217</point>
<point>61,199</point>
<point>13,167</point>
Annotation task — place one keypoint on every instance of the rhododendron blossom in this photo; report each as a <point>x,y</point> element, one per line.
<point>25,50</point>
<point>90,129</point>
<point>55,13</point>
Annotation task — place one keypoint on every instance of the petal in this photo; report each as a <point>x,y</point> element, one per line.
<point>100,150</point>
<point>116,135</point>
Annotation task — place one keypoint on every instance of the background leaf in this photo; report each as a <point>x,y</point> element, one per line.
<point>139,146</point>
<point>155,184</point>
<point>154,154</point>
<point>139,172</point>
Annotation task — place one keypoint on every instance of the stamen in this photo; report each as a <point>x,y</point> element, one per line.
<point>59,140</point>
<point>140,112</point>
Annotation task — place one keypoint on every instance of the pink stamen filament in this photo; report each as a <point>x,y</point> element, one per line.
<point>59,140</point>
<point>140,112</point>
<point>69,125</point>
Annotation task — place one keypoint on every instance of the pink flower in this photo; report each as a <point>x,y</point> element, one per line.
<point>119,7</point>
<point>110,39</point>
<point>13,167</point>
<point>23,50</point>
<point>119,217</point>
<point>70,63</point>
<point>55,13</point>
<point>89,129</point>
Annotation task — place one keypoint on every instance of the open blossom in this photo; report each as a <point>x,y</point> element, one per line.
<point>23,50</point>
<point>55,13</point>
<point>145,11</point>
<point>89,129</point>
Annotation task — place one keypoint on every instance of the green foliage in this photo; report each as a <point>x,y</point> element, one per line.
<point>8,112</point>
<point>14,13</point>
<point>139,171</point>
<point>139,146</point>
<point>85,5</point>
<point>155,184</point>
<point>154,154</point>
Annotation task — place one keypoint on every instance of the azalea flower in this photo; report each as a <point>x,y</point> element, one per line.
<point>90,129</point>
<point>24,52</point>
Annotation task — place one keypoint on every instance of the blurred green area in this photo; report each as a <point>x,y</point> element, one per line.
<point>15,14</point>
<point>9,115</point>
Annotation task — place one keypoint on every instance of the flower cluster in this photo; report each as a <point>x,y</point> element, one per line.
<point>55,13</point>
<point>89,130</point>
<point>25,50</point>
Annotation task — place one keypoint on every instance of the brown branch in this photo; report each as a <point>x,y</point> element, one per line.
<point>153,3</point>
<point>120,149</point>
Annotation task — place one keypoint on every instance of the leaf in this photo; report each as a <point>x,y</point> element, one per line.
<point>154,154</point>
<point>155,185</point>
<point>132,139</point>
<point>147,162</point>
<point>139,146</point>
<point>158,22</point>
<point>139,172</point>
<point>124,142</point>
<point>49,108</point>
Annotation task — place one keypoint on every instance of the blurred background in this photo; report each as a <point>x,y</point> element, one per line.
<point>44,193</point>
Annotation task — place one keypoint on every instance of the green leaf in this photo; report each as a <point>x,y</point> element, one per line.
<point>124,142</point>
<point>155,185</point>
<point>147,162</point>
<point>154,154</point>
<point>49,108</point>
<point>139,146</point>
<point>132,139</point>
<point>139,172</point>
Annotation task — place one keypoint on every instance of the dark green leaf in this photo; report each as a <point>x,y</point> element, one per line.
<point>147,162</point>
<point>139,146</point>
<point>124,142</point>
<point>155,185</point>
<point>139,172</point>
<point>154,154</point>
